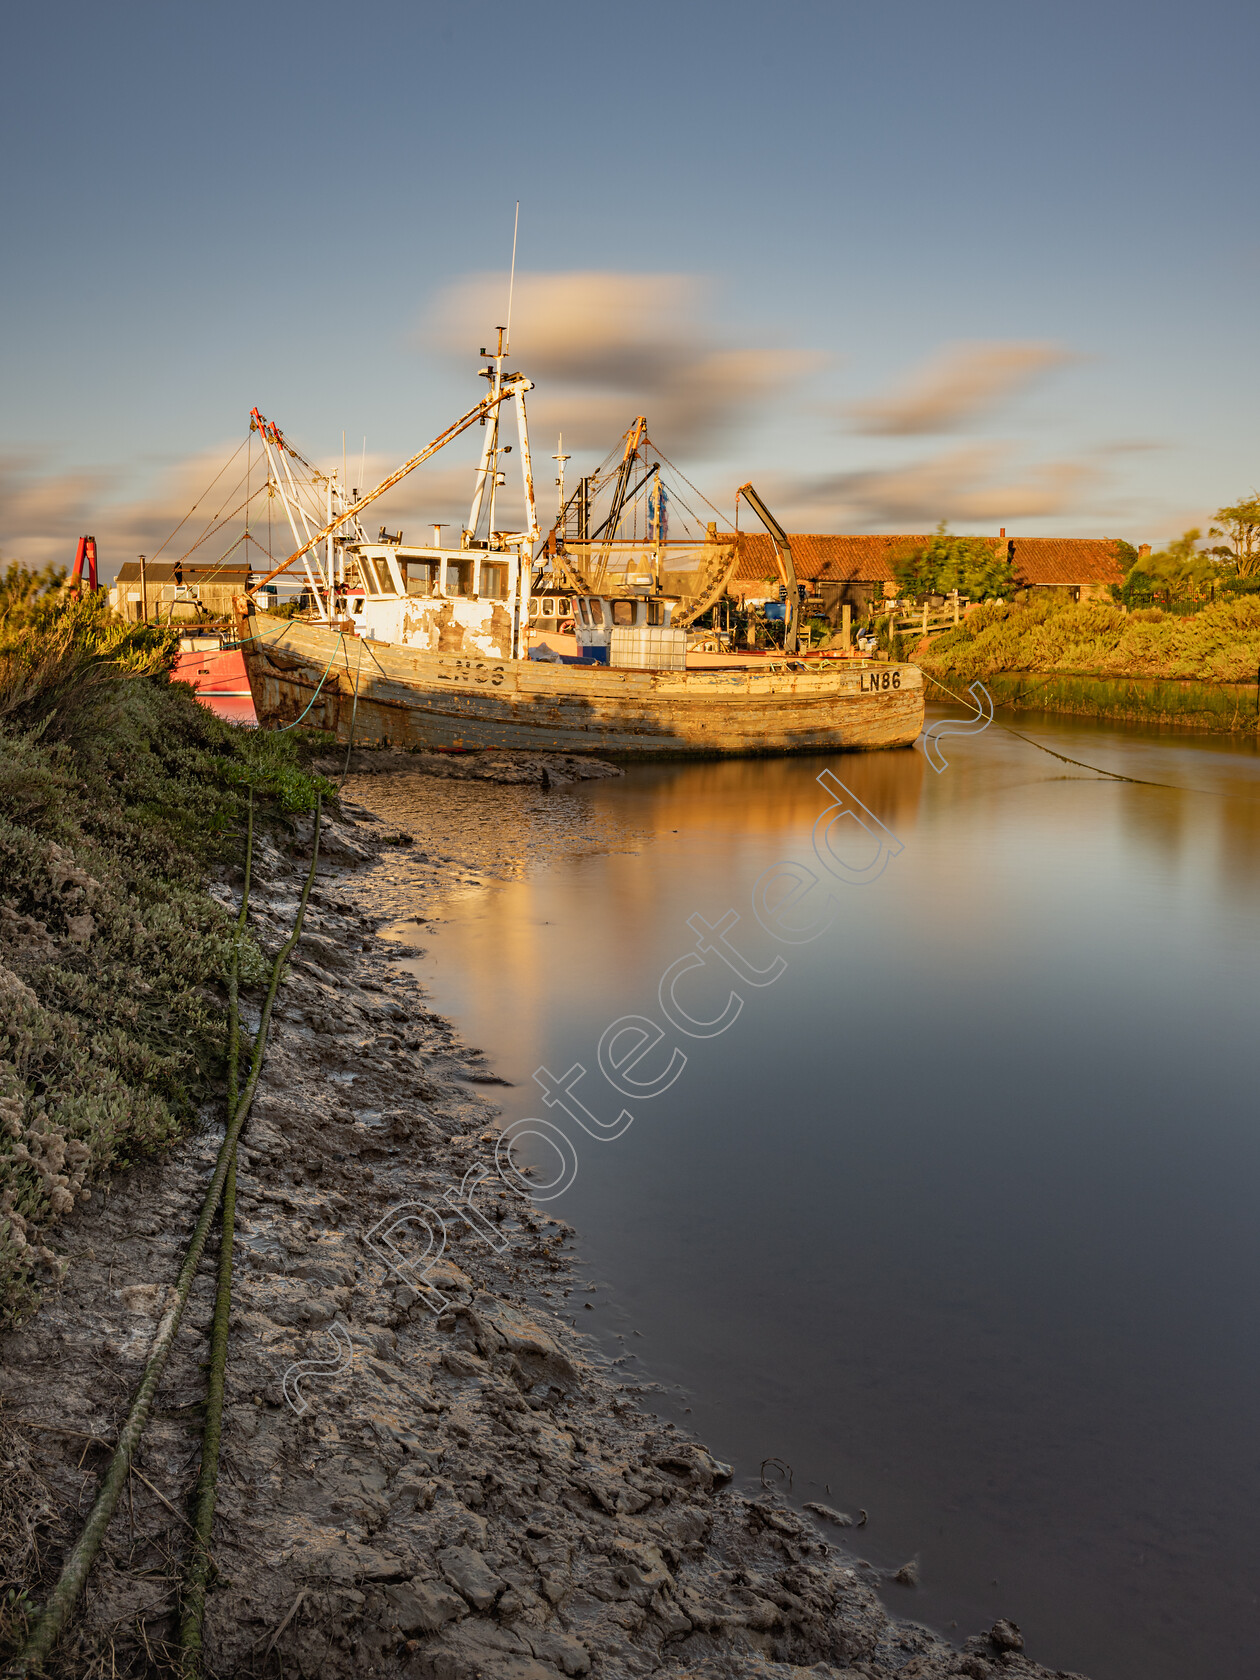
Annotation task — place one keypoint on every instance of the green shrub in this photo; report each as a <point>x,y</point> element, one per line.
<point>1221,643</point>
<point>118,792</point>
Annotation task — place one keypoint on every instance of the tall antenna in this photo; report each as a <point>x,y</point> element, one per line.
<point>507,347</point>
<point>560,458</point>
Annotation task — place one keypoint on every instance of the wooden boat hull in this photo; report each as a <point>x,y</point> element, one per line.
<point>411,698</point>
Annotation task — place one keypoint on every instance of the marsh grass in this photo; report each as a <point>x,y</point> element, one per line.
<point>1104,662</point>
<point>1222,708</point>
<point>118,794</point>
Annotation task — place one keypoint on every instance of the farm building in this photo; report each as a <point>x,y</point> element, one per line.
<point>839,571</point>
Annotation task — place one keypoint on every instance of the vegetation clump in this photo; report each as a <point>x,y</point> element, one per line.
<point>1186,574</point>
<point>970,565</point>
<point>118,793</point>
<point>1220,644</point>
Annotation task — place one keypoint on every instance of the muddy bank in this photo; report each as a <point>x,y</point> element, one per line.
<point>534,769</point>
<point>443,1481</point>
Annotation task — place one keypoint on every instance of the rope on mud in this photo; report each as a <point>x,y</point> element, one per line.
<point>197,1571</point>
<point>74,1571</point>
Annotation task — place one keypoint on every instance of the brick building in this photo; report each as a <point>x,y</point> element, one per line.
<point>839,570</point>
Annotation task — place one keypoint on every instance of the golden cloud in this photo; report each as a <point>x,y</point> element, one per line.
<point>959,383</point>
<point>961,486</point>
<point>604,347</point>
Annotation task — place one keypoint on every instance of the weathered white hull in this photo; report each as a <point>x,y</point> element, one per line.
<point>414,698</point>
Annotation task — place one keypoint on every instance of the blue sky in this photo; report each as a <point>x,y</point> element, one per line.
<point>996,263</point>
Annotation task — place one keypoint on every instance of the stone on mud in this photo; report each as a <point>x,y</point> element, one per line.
<point>470,1574</point>
<point>424,1606</point>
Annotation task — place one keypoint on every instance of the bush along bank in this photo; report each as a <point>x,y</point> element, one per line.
<point>118,792</point>
<point>1094,659</point>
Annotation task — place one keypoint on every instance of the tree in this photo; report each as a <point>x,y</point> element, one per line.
<point>21,588</point>
<point>1182,571</point>
<point>1241,524</point>
<point>971,565</point>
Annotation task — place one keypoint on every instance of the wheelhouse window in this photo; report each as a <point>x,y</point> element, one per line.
<point>459,577</point>
<point>422,576</point>
<point>623,612</point>
<point>494,584</point>
<point>375,575</point>
<point>656,612</point>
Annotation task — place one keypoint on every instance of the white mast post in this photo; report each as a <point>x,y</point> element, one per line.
<point>277,481</point>
<point>560,458</point>
<point>320,604</point>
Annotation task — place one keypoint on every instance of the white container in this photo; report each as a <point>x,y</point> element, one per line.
<point>648,647</point>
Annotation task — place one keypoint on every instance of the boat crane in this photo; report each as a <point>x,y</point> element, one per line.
<point>782,559</point>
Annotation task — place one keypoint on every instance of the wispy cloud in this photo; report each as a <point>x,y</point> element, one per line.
<point>963,486</point>
<point>43,512</point>
<point>607,346</point>
<point>960,383</point>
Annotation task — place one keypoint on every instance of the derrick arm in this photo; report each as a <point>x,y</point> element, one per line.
<point>782,559</point>
<point>485,406</point>
<point>634,437</point>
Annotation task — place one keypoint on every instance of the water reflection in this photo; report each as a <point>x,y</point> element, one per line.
<point>959,1217</point>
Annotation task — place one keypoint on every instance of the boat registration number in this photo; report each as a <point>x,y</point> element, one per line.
<point>873,680</point>
<point>473,671</point>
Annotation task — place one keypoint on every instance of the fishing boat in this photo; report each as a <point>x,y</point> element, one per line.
<point>455,645</point>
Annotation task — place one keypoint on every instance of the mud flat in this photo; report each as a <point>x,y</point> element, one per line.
<point>451,1494</point>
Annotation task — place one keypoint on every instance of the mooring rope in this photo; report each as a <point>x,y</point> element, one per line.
<point>280,729</point>
<point>197,1571</point>
<point>1062,758</point>
<point>354,711</point>
<point>74,1571</point>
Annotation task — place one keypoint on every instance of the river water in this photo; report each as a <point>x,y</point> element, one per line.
<point>958,1219</point>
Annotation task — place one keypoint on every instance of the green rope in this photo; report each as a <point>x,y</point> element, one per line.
<point>74,1571</point>
<point>354,712</point>
<point>197,1573</point>
<point>341,636</point>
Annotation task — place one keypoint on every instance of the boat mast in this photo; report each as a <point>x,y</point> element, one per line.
<point>272,435</point>
<point>486,406</point>
<point>560,458</point>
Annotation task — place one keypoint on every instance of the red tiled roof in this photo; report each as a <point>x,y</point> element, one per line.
<point>825,558</point>
<point>838,559</point>
<point>1066,560</point>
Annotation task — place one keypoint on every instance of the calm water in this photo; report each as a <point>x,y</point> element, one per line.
<point>959,1219</point>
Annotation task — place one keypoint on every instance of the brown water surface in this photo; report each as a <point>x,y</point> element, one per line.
<point>958,1219</point>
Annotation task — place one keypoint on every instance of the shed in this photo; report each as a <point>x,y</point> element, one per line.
<point>177,591</point>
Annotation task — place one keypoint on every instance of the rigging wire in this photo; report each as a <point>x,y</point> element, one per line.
<point>226,520</point>
<point>689,485</point>
<point>209,487</point>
